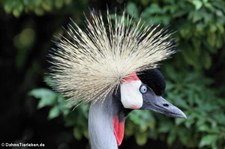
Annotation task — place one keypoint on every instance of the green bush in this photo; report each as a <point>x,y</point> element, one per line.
<point>40,7</point>
<point>199,26</point>
<point>200,35</point>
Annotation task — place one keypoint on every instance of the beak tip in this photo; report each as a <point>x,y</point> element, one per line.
<point>183,115</point>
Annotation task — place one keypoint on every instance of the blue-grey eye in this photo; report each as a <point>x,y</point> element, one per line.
<point>143,89</point>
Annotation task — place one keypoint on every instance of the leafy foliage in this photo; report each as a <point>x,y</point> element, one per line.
<point>194,20</point>
<point>39,7</point>
<point>58,107</point>
<point>200,34</point>
<point>203,108</point>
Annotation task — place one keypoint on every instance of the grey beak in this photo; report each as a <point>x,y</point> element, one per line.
<point>160,105</point>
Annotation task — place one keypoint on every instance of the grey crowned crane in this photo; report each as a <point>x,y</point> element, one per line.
<point>113,65</point>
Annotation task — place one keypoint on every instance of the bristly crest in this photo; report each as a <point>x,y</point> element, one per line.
<point>94,61</point>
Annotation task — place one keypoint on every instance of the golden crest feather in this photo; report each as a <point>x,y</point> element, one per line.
<point>91,63</point>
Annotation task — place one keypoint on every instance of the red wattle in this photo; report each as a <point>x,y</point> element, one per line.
<point>118,129</point>
<point>131,77</point>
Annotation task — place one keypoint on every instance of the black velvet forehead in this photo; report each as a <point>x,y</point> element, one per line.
<point>154,79</point>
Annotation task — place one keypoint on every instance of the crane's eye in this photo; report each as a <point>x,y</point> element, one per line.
<point>143,89</point>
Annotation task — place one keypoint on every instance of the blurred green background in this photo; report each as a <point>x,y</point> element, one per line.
<point>32,112</point>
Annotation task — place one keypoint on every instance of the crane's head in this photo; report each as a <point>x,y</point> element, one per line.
<point>144,91</point>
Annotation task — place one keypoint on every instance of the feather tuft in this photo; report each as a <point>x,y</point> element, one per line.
<point>89,64</point>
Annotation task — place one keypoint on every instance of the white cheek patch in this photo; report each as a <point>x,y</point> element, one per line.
<point>130,95</point>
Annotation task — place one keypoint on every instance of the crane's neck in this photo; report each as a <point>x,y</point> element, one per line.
<point>106,123</point>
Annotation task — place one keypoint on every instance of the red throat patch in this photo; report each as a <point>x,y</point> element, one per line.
<point>118,129</point>
<point>131,77</point>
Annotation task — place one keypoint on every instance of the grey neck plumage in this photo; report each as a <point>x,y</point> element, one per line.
<point>100,124</point>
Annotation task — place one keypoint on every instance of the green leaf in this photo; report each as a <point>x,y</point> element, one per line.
<point>77,133</point>
<point>207,59</point>
<point>58,3</point>
<point>154,9</point>
<point>54,112</point>
<point>197,3</point>
<point>62,104</point>
<point>179,121</point>
<point>165,128</point>
<point>16,12</point>
<point>39,11</point>
<point>208,140</point>
<point>212,39</point>
<point>144,2</point>
<point>8,6</point>
<point>204,128</point>
<point>141,138</point>
<point>47,97</point>
<point>172,136</point>
<point>135,117</point>
<point>47,5</point>
<point>132,10</point>
<point>49,81</point>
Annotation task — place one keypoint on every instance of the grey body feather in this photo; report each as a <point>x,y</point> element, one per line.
<point>100,125</point>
